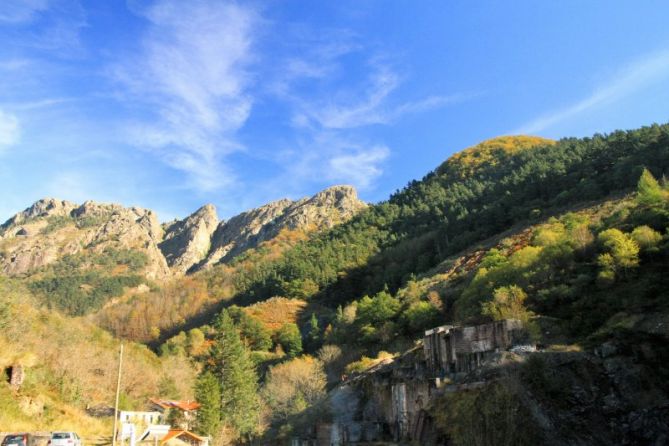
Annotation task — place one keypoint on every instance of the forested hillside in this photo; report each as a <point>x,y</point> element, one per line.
<point>568,236</point>
<point>481,192</point>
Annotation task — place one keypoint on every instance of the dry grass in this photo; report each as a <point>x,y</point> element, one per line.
<point>70,364</point>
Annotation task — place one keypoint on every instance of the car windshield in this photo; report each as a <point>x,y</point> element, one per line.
<point>60,435</point>
<point>13,439</point>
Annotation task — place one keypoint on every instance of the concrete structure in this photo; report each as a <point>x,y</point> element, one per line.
<point>450,349</point>
<point>389,402</point>
<point>141,418</point>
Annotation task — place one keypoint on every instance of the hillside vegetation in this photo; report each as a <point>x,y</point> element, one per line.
<point>568,236</point>
<point>538,230</point>
<point>71,365</point>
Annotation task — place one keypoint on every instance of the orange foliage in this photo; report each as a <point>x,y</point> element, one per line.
<point>276,312</point>
<point>139,317</point>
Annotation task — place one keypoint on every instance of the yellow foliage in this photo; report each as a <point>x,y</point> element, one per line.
<point>276,312</point>
<point>489,153</point>
<point>366,363</point>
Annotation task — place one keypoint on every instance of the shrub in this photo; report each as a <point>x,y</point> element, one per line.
<point>646,237</point>
<point>507,303</point>
<point>290,338</point>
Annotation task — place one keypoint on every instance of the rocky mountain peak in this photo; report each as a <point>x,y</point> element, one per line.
<point>44,207</point>
<point>32,239</point>
<point>187,241</point>
<point>248,229</point>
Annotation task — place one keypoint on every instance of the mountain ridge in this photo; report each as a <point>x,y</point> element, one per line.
<point>51,228</point>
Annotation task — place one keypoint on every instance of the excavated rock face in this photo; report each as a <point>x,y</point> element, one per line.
<point>248,229</point>
<point>187,241</point>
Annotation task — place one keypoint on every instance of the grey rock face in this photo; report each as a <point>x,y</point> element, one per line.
<point>45,207</point>
<point>248,229</point>
<point>38,236</point>
<point>31,239</point>
<point>187,241</point>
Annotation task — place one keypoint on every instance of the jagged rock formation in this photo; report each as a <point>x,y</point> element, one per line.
<point>248,229</point>
<point>51,229</point>
<point>187,241</point>
<point>42,208</point>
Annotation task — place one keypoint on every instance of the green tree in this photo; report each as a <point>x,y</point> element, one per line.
<point>421,316</point>
<point>290,339</point>
<point>168,388</point>
<point>649,191</point>
<point>623,249</point>
<point>507,303</point>
<point>646,237</point>
<point>238,378</point>
<point>254,333</point>
<point>314,336</point>
<point>378,309</point>
<point>208,394</point>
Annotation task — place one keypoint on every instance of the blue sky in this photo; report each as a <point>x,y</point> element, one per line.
<point>171,104</point>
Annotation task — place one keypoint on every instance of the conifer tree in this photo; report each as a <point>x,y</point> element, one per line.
<point>314,336</point>
<point>238,379</point>
<point>649,191</point>
<point>208,394</point>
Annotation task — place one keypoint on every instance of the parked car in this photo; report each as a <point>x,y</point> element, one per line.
<point>22,439</point>
<point>65,439</point>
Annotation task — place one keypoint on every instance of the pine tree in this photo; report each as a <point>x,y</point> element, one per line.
<point>238,379</point>
<point>208,394</point>
<point>649,191</point>
<point>290,338</point>
<point>314,336</point>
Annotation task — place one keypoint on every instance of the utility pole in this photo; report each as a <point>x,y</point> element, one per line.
<point>118,390</point>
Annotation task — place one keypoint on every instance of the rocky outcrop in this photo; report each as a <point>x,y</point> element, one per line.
<point>187,241</point>
<point>248,229</point>
<point>51,229</point>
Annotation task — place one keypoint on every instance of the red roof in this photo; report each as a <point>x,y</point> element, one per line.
<point>174,433</point>
<point>182,405</point>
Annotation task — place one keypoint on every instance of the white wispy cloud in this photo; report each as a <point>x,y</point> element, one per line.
<point>193,71</point>
<point>21,11</point>
<point>361,167</point>
<point>333,144</point>
<point>10,130</point>
<point>56,25</point>
<point>375,107</point>
<point>651,68</point>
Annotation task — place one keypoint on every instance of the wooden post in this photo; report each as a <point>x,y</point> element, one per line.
<point>118,390</point>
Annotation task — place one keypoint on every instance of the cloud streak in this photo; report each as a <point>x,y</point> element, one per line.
<point>10,131</point>
<point>21,11</point>
<point>193,71</point>
<point>632,78</point>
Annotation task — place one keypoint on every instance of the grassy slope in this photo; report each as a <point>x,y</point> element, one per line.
<point>71,364</point>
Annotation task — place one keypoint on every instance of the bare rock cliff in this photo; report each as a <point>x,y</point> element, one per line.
<point>248,229</point>
<point>187,241</point>
<point>51,229</point>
